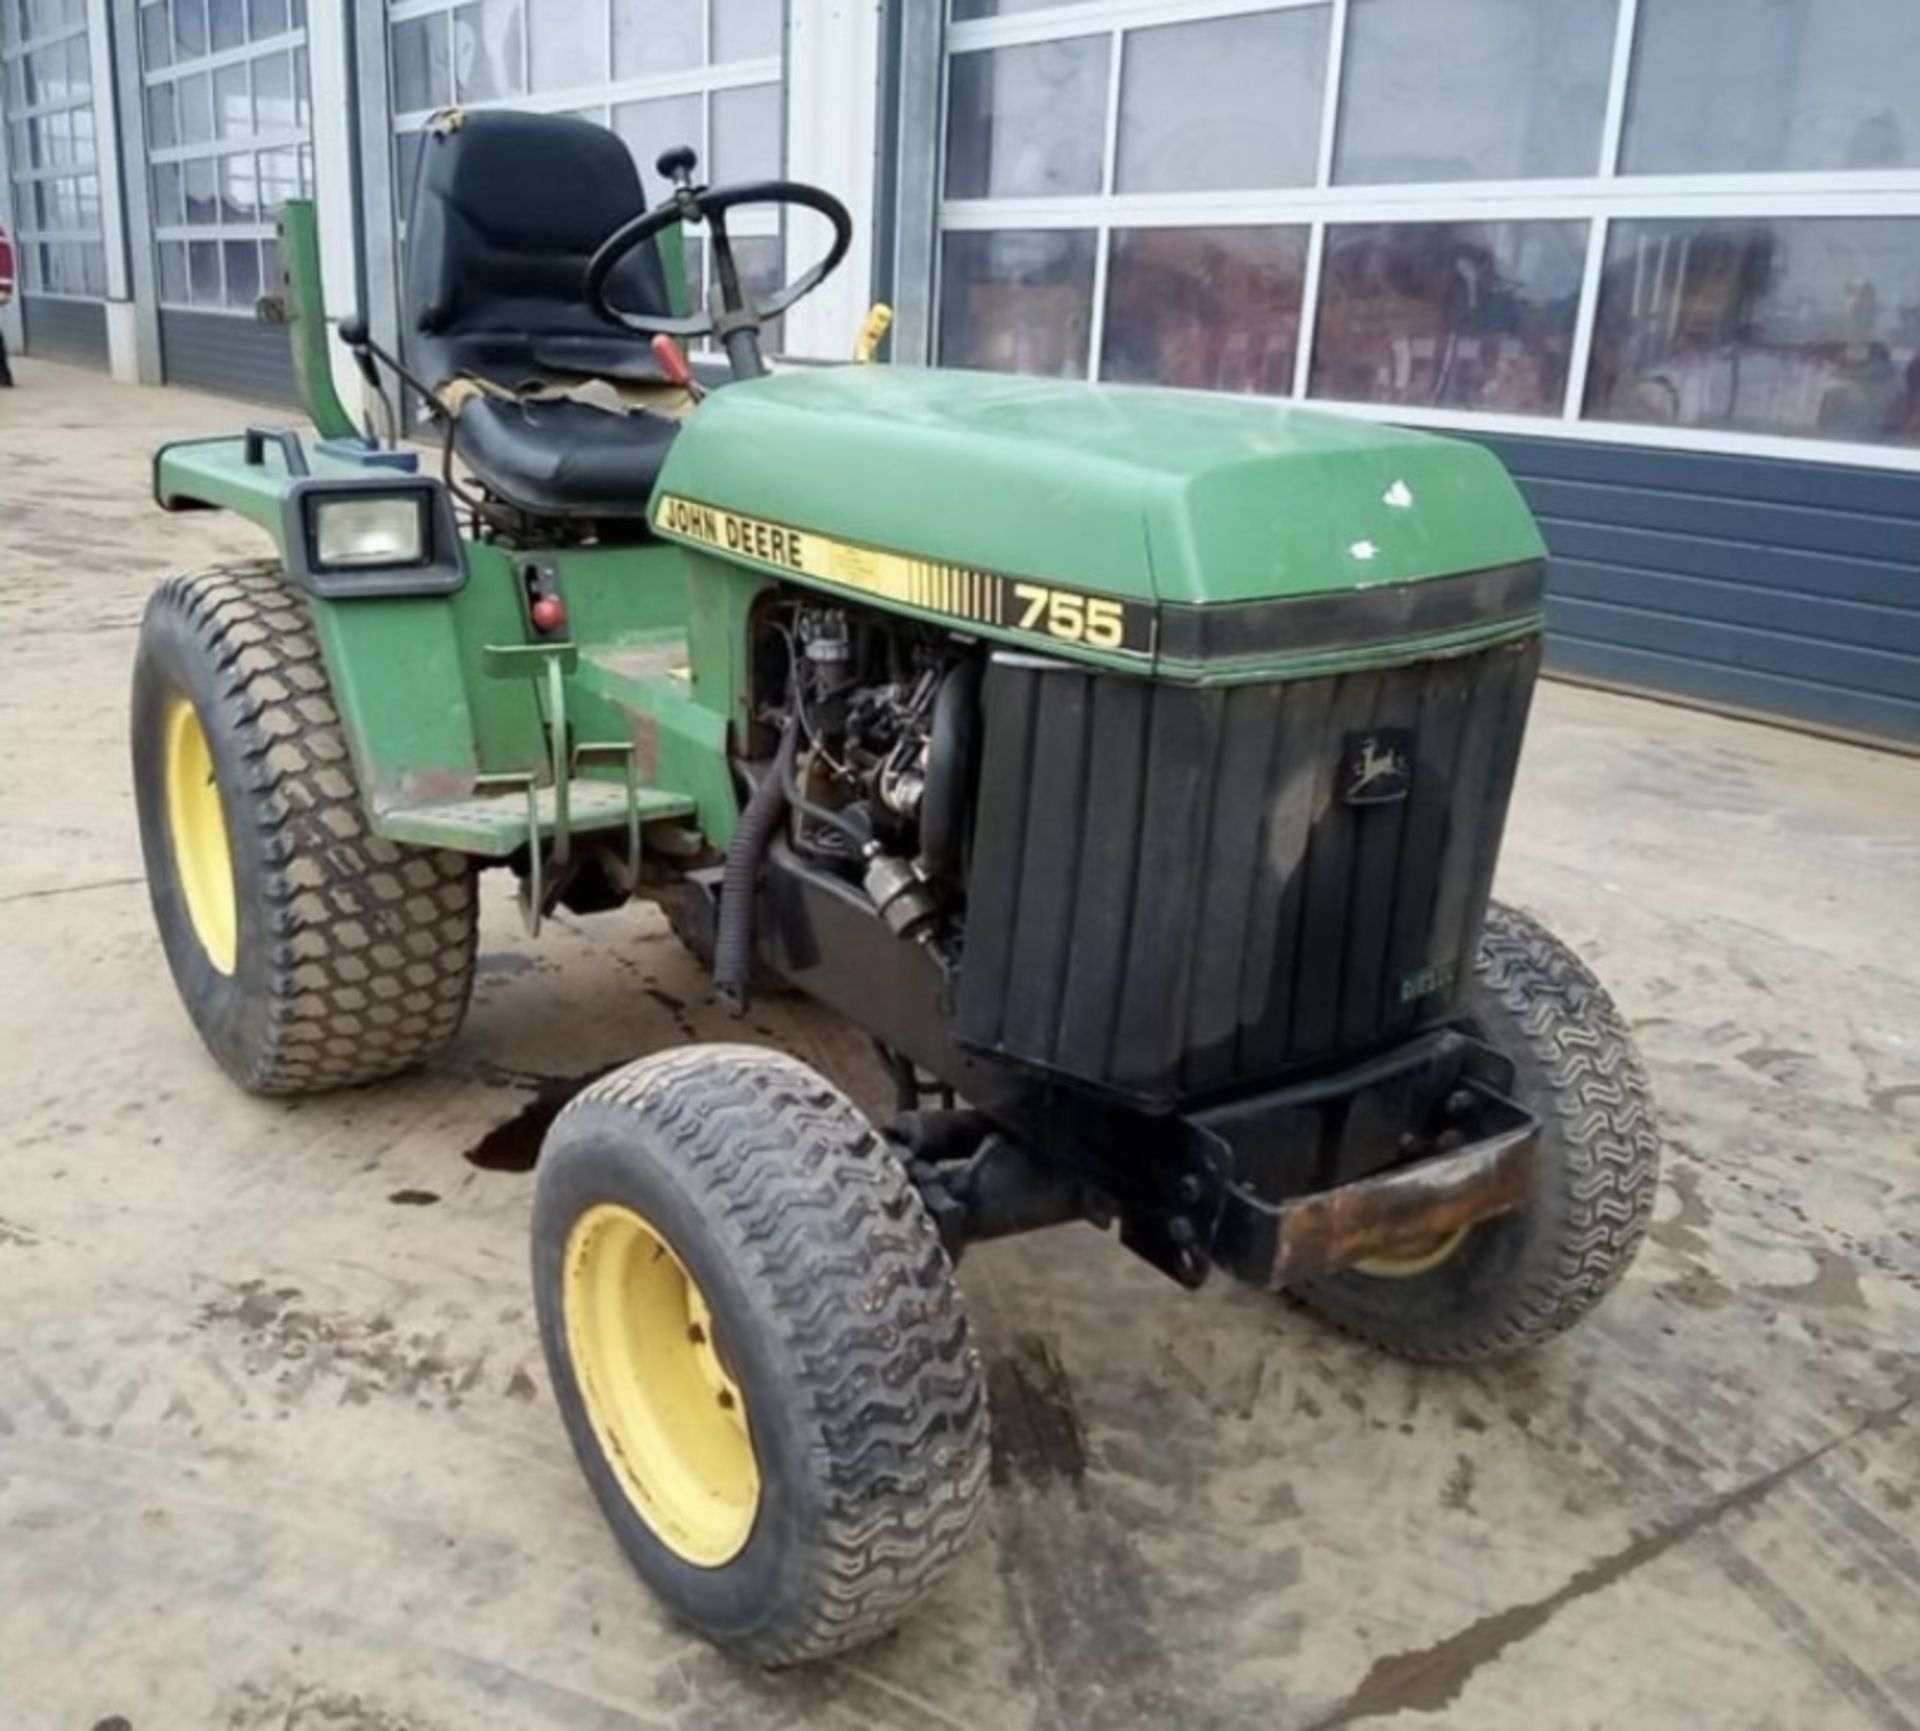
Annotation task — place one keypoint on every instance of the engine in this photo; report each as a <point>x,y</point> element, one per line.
<point>878,719</point>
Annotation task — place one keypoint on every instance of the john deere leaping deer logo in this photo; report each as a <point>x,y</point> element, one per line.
<point>1376,767</point>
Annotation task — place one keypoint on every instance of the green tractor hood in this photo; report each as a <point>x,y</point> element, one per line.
<point>1205,537</point>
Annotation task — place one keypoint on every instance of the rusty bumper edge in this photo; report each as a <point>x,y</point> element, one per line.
<point>1399,1213</point>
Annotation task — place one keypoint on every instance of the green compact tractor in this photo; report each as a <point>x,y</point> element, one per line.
<point>1131,765</point>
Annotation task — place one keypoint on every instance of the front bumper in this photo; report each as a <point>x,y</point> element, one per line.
<point>1404,1151</point>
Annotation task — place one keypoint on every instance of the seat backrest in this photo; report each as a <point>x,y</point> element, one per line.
<point>506,210</point>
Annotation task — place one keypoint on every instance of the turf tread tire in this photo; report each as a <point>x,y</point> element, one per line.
<point>1519,1281</point>
<point>858,1316</point>
<point>358,962</point>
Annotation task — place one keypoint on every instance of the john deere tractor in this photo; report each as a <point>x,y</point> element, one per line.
<point>1131,765</point>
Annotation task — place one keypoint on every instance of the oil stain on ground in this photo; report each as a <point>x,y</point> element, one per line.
<point>513,1145</point>
<point>1037,1433</point>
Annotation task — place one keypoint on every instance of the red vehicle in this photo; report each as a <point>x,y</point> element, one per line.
<point>6,294</point>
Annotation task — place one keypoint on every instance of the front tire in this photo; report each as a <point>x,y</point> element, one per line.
<point>310,952</point>
<point>756,1344</point>
<point>1523,1278</point>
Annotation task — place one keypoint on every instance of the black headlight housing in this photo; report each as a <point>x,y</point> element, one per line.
<point>380,535</point>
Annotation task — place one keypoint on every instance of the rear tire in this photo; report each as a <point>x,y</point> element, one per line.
<point>781,1226</point>
<point>310,952</point>
<point>1521,1279</point>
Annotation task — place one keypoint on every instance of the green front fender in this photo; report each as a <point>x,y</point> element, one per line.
<point>435,731</point>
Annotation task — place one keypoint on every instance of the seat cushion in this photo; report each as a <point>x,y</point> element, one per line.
<point>564,458</point>
<point>507,210</point>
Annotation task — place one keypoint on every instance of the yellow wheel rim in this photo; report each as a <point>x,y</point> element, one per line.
<point>667,1411</point>
<point>202,854</point>
<point>1415,1262</point>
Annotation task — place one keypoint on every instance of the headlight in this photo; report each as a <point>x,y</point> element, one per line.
<point>357,534</point>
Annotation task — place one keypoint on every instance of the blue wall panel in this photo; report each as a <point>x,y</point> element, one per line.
<point>239,357</point>
<point>63,330</point>
<point>1788,588</point>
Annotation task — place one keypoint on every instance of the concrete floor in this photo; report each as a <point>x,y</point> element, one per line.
<point>276,1449</point>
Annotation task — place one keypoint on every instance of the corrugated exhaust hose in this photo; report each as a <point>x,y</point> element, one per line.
<point>733,932</point>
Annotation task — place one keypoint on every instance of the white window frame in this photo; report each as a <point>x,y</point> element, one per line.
<point>260,230</point>
<point>704,80</point>
<point>1601,200</point>
<point>28,233</point>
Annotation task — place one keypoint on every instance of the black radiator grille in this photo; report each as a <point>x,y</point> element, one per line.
<point>1169,897</point>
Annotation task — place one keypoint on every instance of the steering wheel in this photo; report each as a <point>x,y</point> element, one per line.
<point>738,314</point>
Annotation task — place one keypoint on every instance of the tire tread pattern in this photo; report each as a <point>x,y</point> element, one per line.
<point>814,1212</point>
<point>1599,1157</point>
<point>372,942</point>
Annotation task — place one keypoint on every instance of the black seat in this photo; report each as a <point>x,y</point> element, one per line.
<point>560,458</point>
<point>507,209</point>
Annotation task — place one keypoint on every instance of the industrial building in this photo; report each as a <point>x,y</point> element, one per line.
<point>1662,255</point>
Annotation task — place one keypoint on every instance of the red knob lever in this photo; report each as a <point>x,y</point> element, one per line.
<point>673,362</point>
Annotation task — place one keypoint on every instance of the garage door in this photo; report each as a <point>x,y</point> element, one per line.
<point>47,69</point>
<point>1788,589</point>
<point>229,141</point>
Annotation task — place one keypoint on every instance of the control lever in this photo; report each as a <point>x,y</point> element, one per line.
<point>674,363</point>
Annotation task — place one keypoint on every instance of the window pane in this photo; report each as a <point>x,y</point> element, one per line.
<point>652,127</point>
<point>227,23</point>
<point>1260,124</point>
<point>84,154</point>
<point>568,42</point>
<point>156,36</point>
<point>486,50</point>
<point>273,93</point>
<point>279,179</point>
<point>1027,121</point>
<point>64,273</point>
<point>189,29</point>
<point>243,272</point>
<point>169,203</point>
<point>406,168</point>
<point>762,264</point>
<point>203,269</point>
<point>201,188</point>
<point>745,29</point>
<point>746,134</point>
<point>1215,309</point>
<point>239,189</point>
<point>163,129</point>
<point>1019,300</point>
<point>655,36</point>
<point>1809,327</point>
<point>232,103</point>
<point>1450,315</point>
<point>1728,87</point>
<point>266,18</point>
<point>195,96</point>
<point>173,272</point>
<point>1474,89</point>
<point>422,65</point>
<point>965,9</point>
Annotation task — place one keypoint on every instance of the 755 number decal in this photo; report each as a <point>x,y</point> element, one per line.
<point>1097,621</point>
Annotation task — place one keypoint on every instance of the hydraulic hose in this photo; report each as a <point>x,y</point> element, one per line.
<point>733,933</point>
<point>950,768</point>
